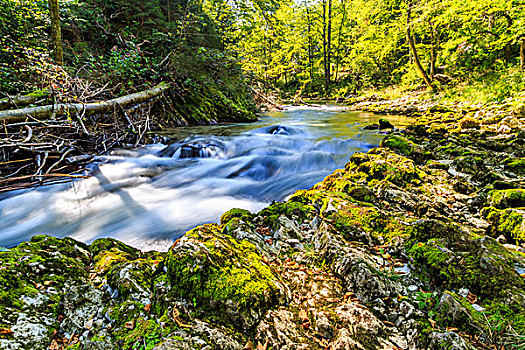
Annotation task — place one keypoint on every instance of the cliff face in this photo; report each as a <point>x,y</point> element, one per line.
<point>414,245</point>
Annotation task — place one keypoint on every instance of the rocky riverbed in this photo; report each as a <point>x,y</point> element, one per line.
<point>417,244</point>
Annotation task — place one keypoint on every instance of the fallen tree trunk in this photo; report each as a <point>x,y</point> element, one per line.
<point>17,101</point>
<point>43,112</point>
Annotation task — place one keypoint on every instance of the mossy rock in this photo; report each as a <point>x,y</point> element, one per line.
<point>417,128</point>
<point>399,143</point>
<point>469,123</point>
<point>385,124</point>
<point>43,262</point>
<point>508,222</point>
<point>426,229</point>
<point>107,244</point>
<point>469,164</point>
<point>289,209</point>
<point>454,310</point>
<point>235,213</point>
<point>502,199</point>
<point>389,166</point>
<point>515,165</point>
<point>440,109</point>
<point>226,278</point>
<point>482,265</point>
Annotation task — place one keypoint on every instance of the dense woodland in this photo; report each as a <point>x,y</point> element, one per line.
<point>325,48</point>
<point>334,48</point>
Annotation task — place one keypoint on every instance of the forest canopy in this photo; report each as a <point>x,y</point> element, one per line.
<point>330,48</point>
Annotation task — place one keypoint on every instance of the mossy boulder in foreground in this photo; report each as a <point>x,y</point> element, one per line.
<point>224,276</point>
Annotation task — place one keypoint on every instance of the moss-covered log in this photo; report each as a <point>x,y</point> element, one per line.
<point>43,112</point>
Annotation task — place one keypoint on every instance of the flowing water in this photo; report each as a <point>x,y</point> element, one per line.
<point>149,196</point>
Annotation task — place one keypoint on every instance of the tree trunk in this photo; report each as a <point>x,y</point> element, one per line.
<point>433,52</point>
<point>329,46</point>
<point>325,57</point>
<point>55,32</point>
<point>327,33</point>
<point>17,101</point>
<point>43,112</point>
<point>338,50</point>
<point>310,45</point>
<point>522,53</point>
<point>412,45</point>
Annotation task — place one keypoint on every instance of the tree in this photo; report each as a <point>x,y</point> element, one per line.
<point>55,32</point>
<point>413,49</point>
<point>327,45</point>
<point>522,53</point>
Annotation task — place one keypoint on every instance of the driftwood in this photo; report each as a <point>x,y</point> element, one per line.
<point>43,112</point>
<point>261,96</point>
<point>38,149</point>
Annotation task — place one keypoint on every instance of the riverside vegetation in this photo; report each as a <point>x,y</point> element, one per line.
<point>416,244</point>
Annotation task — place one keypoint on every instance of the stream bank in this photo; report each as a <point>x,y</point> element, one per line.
<point>417,244</point>
<point>53,141</point>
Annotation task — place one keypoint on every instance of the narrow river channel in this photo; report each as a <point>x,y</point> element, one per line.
<point>149,196</point>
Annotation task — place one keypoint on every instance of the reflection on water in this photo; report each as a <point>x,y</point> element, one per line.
<point>149,196</point>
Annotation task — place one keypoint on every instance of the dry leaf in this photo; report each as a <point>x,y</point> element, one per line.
<point>147,307</point>
<point>248,346</point>
<point>130,325</point>
<point>6,331</point>
<point>265,259</point>
<point>349,295</point>
<point>472,298</point>
<point>432,322</point>
<point>54,345</point>
<point>303,315</point>
<point>388,323</point>
<point>262,347</point>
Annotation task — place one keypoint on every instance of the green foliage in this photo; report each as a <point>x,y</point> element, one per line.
<point>476,42</point>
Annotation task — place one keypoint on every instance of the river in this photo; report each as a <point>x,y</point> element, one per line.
<point>147,197</point>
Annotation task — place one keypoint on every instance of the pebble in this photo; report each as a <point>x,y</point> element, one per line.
<point>478,307</point>
<point>412,288</point>
<point>463,292</point>
<point>88,324</point>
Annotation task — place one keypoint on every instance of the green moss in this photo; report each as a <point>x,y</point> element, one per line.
<point>496,317</point>
<point>515,165</point>
<point>106,260</point>
<point>399,144</point>
<point>146,332</point>
<point>108,244</point>
<point>202,103</point>
<point>289,209</point>
<point>501,199</point>
<point>482,265</point>
<point>235,213</point>
<point>509,223</point>
<point>208,268</point>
